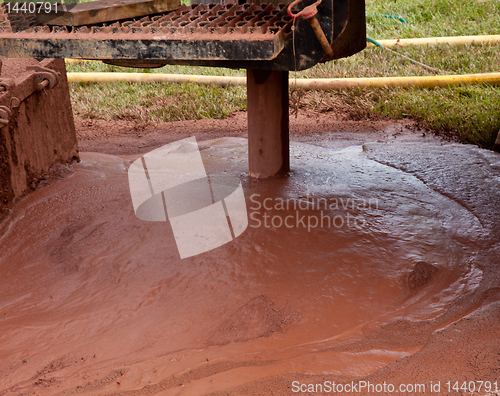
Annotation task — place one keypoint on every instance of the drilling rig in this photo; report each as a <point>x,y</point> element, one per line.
<point>266,39</point>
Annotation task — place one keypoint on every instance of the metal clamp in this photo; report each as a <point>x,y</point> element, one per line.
<point>45,80</point>
<point>44,77</point>
<point>307,13</point>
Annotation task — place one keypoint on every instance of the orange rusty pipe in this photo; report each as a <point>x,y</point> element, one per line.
<point>321,37</point>
<point>309,14</point>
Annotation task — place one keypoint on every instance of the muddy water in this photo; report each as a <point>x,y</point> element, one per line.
<point>96,301</point>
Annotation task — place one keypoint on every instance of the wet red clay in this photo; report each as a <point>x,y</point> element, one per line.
<point>400,287</point>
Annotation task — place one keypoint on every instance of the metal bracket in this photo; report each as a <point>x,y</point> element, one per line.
<point>12,93</point>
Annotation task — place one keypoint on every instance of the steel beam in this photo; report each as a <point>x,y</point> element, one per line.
<point>268,128</point>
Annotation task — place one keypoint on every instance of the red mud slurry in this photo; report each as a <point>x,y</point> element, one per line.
<point>95,301</point>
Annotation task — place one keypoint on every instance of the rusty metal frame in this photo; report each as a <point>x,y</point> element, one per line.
<point>13,92</point>
<point>235,35</point>
<point>199,33</point>
<point>259,38</point>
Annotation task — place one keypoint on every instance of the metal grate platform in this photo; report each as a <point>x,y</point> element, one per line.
<point>198,32</point>
<point>250,36</point>
<point>258,37</point>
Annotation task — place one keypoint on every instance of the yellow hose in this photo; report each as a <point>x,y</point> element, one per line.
<point>381,82</point>
<point>457,40</point>
<point>302,83</point>
<point>154,77</point>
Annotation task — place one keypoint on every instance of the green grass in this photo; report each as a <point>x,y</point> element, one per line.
<point>155,102</point>
<point>432,18</point>
<point>470,113</point>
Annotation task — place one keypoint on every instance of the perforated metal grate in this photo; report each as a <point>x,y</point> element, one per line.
<point>200,31</point>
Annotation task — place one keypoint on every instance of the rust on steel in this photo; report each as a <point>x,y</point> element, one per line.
<point>104,11</point>
<point>256,36</point>
<point>36,125</point>
<point>268,138</point>
<point>198,32</point>
<point>250,36</point>
<point>13,93</point>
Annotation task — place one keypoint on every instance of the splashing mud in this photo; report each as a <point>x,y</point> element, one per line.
<point>352,267</point>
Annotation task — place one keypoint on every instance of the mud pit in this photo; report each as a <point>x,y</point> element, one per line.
<point>95,301</point>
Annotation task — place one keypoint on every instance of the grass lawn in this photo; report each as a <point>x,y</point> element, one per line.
<point>471,113</point>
